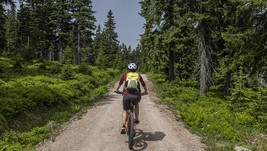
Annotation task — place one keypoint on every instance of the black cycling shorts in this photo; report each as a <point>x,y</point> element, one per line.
<point>127,98</point>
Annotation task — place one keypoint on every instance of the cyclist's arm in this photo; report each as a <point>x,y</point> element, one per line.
<point>145,89</point>
<point>143,83</point>
<point>121,81</point>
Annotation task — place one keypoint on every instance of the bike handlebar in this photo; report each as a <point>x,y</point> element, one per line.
<point>120,92</point>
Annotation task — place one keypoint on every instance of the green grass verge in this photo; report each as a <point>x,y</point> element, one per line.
<point>213,117</point>
<point>37,97</point>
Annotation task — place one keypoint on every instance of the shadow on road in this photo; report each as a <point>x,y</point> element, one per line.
<point>106,100</point>
<point>141,138</point>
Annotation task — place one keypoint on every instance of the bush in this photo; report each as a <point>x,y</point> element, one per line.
<point>54,67</point>
<point>11,106</point>
<point>17,65</point>
<point>85,69</point>
<point>59,89</point>
<point>99,92</point>
<point>3,124</point>
<point>67,73</point>
<point>13,140</point>
<point>60,117</point>
<point>76,108</point>
<point>217,118</point>
<point>157,78</point>
<point>5,64</point>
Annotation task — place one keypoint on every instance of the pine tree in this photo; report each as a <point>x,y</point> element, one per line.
<point>2,32</point>
<point>2,22</point>
<point>123,57</point>
<point>41,33</point>
<point>11,31</point>
<point>24,19</point>
<point>243,39</point>
<point>110,45</point>
<point>150,40</point>
<point>61,26</point>
<point>97,42</point>
<point>84,22</point>
<point>35,34</point>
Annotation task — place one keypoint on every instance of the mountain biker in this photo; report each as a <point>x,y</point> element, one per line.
<point>129,95</point>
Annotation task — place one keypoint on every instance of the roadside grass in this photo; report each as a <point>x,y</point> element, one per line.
<point>212,117</point>
<point>37,98</point>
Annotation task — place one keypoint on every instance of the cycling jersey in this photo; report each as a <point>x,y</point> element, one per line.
<point>123,79</point>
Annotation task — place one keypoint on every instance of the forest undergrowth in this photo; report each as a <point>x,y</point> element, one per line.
<point>222,121</point>
<point>37,97</point>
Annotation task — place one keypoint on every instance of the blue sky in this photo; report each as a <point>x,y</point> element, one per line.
<point>128,22</point>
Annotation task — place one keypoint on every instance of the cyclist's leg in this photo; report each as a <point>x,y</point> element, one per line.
<point>137,113</point>
<point>126,103</point>
<point>136,104</point>
<point>123,117</point>
<point>126,106</point>
<point>123,122</point>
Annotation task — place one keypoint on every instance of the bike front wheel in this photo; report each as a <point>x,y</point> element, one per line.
<point>131,131</point>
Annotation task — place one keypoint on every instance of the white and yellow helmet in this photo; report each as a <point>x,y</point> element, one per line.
<point>132,66</point>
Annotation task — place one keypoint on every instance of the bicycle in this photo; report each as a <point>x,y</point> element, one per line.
<point>130,125</point>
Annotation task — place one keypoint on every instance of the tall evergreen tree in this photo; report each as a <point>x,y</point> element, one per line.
<point>24,19</point>
<point>34,32</point>
<point>11,31</point>
<point>41,33</point>
<point>84,22</point>
<point>123,57</point>
<point>163,33</point>
<point>2,22</point>
<point>61,26</point>
<point>97,42</point>
<point>243,39</point>
<point>151,43</point>
<point>110,45</point>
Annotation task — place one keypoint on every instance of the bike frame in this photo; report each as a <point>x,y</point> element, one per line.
<point>128,119</point>
<point>130,125</point>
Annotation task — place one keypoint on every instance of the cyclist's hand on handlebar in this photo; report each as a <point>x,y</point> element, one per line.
<point>118,92</point>
<point>144,93</point>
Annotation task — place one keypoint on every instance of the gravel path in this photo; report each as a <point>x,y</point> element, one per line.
<point>99,129</point>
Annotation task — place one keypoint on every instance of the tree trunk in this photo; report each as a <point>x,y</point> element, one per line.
<point>203,48</point>
<point>171,65</point>
<point>203,75</point>
<point>61,53</point>
<point>228,79</point>
<point>171,52</point>
<point>51,54</point>
<point>79,48</point>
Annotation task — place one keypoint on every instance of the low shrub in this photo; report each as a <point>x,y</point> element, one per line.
<point>61,117</point>
<point>58,89</point>
<point>216,117</point>
<point>13,140</point>
<point>85,69</point>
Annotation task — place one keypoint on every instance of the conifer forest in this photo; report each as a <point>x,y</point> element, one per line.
<point>207,60</point>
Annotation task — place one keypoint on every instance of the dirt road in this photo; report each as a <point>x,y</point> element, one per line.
<point>99,129</point>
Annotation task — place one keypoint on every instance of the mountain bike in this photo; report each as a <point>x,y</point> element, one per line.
<point>130,125</point>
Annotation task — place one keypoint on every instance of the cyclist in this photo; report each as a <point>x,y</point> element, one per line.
<point>131,95</point>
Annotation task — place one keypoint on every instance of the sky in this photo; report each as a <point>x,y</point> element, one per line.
<point>129,24</point>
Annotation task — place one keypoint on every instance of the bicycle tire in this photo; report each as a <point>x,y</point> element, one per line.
<point>131,131</point>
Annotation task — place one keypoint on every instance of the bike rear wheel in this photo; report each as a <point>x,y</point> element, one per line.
<point>131,131</point>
